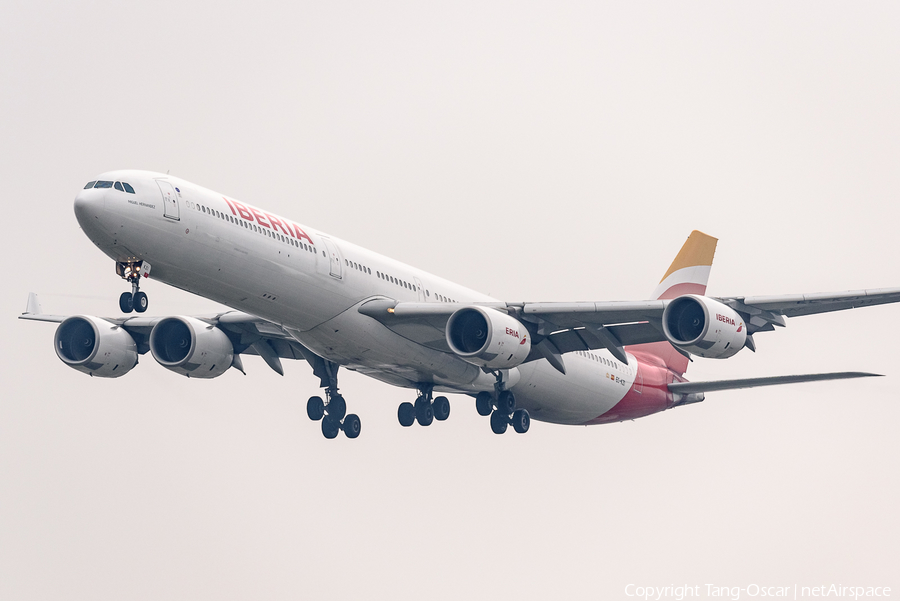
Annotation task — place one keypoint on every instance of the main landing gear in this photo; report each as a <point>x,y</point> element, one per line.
<point>132,272</point>
<point>333,413</point>
<point>501,406</point>
<point>425,410</point>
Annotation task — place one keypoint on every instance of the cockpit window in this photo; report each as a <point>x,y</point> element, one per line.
<point>89,185</point>
<point>128,188</point>
<point>102,184</point>
<point>119,187</point>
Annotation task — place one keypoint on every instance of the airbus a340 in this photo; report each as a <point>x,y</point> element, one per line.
<point>298,293</point>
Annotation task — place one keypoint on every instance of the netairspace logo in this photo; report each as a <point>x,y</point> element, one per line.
<point>753,591</point>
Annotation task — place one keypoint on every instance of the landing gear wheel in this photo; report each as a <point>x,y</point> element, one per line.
<point>424,413</point>
<point>483,403</point>
<point>521,421</point>
<point>330,427</point>
<point>406,414</point>
<point>337,408</point>
<point>499,422</point>
<point>441,408</point>
<point>351,426</point>
<point>140,302</point>
<point>315,408</point>
<point>126,302</point>
<point>506,402</point>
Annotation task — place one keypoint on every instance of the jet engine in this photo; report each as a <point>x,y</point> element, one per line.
<point>488,337</point>
<point>95,346</point>
<point>191,347</point>
<point>704,327</point>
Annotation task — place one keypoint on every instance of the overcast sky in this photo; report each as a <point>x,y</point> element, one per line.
<point>534,151</point>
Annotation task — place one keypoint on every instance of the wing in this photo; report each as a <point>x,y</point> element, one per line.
<point>559,328</point>
<point>249,334</point>
<point>767,309</point>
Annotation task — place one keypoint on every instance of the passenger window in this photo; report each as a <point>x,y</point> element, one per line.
<point>128,187</point>
<point>119,187</point>
<point>89,185</point>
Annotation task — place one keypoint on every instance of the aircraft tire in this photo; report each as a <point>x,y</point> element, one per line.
<point>126,302</point>
<point>406,414</point>
<point>483,403</point>
<point>330,427</point>
<point>521,421</point>
<point>352,426</point>
<point>425,414</point>
<point>337,408</point>
<point>499,422</point>
<point>140,302</point>
<point>441,408</point>
<point>506,402</point>
<point>315,408</point>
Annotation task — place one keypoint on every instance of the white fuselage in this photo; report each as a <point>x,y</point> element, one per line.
<point>311,284</point>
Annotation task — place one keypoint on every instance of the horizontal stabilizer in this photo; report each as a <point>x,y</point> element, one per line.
<point>689,387</point>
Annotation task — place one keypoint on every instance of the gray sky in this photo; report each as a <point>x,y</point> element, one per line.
<point>533,151</point>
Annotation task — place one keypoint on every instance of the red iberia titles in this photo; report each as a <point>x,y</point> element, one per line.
<point>267,220</point>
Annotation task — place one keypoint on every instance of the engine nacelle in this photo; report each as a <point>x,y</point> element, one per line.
<point>191,347</point>
<point>488,337</point>
<point>704,327</point>
<point>95,346</point>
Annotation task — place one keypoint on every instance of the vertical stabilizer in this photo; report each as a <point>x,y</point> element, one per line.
<point>688,274</point>
<point>689,271</point>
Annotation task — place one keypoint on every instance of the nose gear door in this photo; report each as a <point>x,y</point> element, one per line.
<point>170,200</point>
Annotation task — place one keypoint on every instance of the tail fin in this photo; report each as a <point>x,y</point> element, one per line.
<point>689,271</point>
<point>688,274</point>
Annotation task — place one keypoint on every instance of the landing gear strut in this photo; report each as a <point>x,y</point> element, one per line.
<point>501,406</point>
<point>425,410</point>
<point>333,413</point>
<point>132,273</point>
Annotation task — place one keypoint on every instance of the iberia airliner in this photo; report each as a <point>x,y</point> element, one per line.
<point>298,293</point>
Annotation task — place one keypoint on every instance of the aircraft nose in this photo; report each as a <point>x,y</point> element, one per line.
<point>89,206</point>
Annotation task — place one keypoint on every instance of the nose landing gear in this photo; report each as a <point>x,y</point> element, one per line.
<point>132,272</point>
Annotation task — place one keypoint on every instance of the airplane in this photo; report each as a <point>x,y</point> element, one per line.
<point>298,293</point>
